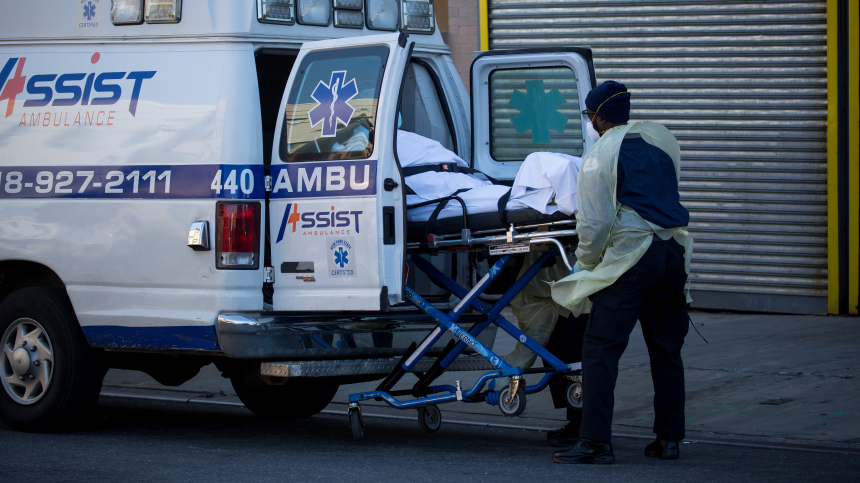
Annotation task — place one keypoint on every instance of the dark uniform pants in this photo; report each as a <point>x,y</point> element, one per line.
<point>566,344</point>
<point>652,291</point>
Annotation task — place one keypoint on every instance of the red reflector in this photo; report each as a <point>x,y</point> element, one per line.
<point>431,238</point>
<point>238,235</point>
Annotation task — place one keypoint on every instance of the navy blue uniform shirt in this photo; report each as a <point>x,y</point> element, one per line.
<point>647,183</point>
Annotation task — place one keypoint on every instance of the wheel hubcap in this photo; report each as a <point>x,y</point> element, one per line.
<point>20,362</point>
<point>27,363</point>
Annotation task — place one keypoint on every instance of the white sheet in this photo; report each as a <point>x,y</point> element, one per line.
<point>545,182</point>
<point>545,178</point>
<point>416,150</point>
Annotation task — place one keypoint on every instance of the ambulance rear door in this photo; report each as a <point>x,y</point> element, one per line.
<point>336,201</point>
<point>528,100</point>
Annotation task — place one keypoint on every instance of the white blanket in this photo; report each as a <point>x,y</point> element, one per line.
<point>545,178</point>
<point>546,182</point>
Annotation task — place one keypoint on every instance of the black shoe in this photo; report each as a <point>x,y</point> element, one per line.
<point>665,450</point>
<point>563,437</point>
<point>586,452</point>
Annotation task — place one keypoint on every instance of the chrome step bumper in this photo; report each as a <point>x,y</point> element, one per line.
<point>273,336</point>
<point>379,367</point>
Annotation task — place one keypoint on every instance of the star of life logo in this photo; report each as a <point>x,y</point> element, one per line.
<point>340,257</point>
<point>333,103</point>
<point>341,254</point>
<point>88,12</point>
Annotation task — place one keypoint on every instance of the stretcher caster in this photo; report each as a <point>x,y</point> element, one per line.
<point>573,394</point>
<point>429,418</point>
<point>356,423</point>
<point>512,406</point>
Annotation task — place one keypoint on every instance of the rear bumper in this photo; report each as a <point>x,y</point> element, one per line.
<point>270,336</point>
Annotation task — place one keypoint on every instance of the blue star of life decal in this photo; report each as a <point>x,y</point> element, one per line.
<point>538,111</point>
<point>340,257</point>
<point>333,103</point>
<point>89,10</point>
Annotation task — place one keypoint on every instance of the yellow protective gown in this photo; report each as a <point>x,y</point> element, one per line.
<point>612,236</point>
<point>535,310</point>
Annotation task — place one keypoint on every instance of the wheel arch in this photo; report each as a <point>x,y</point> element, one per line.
<point>18,274</point>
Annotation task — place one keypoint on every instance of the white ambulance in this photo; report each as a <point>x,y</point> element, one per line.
<point>194,182</point>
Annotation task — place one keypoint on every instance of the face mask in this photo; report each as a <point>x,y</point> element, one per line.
<point>592,133</point>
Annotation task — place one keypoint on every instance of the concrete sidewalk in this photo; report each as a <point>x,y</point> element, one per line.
<point>777,378</point>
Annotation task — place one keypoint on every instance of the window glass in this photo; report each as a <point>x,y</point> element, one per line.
<point>421,110</point>
<point>534,109</point>
<point>331,109</point>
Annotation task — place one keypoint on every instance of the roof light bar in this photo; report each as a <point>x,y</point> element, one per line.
<point>348,19</point>
<point>417,16</point>
<point>124,12</point>
<point>314,12</point>
<point>348,4</point>
<point>382,14</point>
<point>163,11</point>
<point>276,11</point>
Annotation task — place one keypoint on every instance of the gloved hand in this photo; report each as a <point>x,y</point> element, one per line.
<point>578,267</point>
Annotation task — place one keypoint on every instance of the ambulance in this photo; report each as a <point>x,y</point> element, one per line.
<point>193,182</point>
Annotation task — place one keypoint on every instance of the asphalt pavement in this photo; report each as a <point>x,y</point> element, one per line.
<point>144,440</point>
<point>773,378</point>
<point>769,398</point>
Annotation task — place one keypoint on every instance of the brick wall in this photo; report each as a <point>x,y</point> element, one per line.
<point>462,34</point>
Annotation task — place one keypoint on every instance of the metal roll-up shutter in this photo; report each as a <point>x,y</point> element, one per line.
<point>742,85</point>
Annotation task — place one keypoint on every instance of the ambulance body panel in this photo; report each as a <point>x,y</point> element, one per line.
<point>218,188</point>
<point>109,186</point>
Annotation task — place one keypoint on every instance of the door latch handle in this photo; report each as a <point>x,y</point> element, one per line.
<point>389,184</point>
<point>198,236</point>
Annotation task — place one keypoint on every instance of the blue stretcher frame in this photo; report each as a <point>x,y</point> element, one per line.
<point>447,393</point>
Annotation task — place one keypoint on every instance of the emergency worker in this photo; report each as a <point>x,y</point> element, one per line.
<point>551,326</point>
<point>632,263</point>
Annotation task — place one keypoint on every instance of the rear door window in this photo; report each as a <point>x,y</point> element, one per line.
<point>331,110</point>
<point>534,109</point>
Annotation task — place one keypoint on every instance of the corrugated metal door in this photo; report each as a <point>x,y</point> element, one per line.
<point>742,84</point>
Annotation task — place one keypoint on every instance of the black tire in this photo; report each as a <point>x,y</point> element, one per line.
<point>77,370</point>
<point>573,394</point>
<point>298,398</point>
<point>518,404</point>
<point>356,424</point>
<point>429,418</point>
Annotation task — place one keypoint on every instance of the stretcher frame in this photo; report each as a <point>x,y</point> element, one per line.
<point>509,398</point>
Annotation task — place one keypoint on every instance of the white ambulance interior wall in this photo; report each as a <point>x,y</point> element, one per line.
<point>422,112</point>
<point>123,254</point>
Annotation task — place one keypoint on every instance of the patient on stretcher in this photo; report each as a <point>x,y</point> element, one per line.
<point>546,182</point>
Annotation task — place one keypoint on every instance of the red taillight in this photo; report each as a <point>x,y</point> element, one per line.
<point>237,241</point>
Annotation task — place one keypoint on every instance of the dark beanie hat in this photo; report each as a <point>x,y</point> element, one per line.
<point>610,100</point>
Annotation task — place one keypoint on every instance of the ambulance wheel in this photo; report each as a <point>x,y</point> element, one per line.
<point>51,377</point>
<point>517,405</point>
<point>356,423</point>
<point>298,398</point>
<point>429,418</point>
<point>573,395</point>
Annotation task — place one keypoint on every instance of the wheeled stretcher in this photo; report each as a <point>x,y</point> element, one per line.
<point>503,234</point>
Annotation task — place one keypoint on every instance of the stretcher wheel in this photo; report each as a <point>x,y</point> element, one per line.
<point>356,423</point>
<point>429,418</point>
<point>517,405</point>
<point>573,394</point>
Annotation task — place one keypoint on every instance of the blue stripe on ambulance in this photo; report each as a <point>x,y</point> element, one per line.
<point>329,179</point>
<point>193,181</point>
<point>201,337</point>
